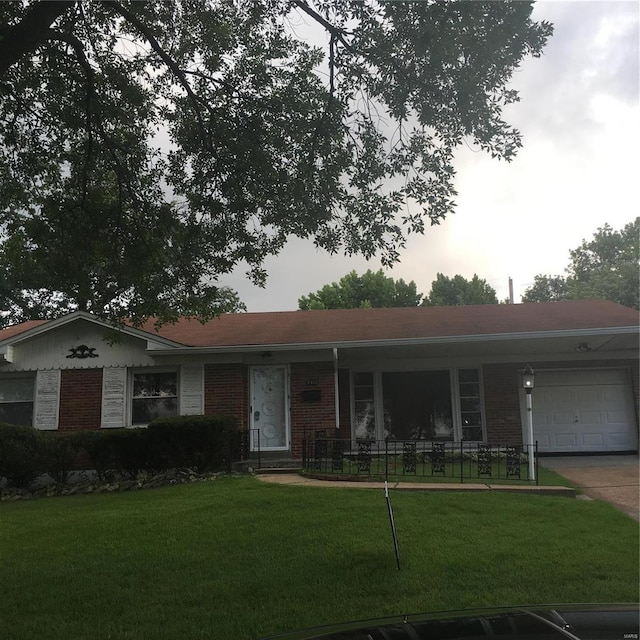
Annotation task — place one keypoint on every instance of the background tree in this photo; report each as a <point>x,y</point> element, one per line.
<point>547,289</point>
<point>604,267</point>
<point>203,134</point>
<point>368,290</point>
<point>455,291</point>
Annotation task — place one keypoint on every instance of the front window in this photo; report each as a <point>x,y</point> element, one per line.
<point>438,405</point>
<point>155,395</point>
<point>417,405</point>
<point>470,404</point>
<point>16,401</point>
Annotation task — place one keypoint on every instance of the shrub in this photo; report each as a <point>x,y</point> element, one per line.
<point>59,452</point>
<point>199,442</point>
<point>98,445</point>
<point>129,448</point>
<point>20,454</point>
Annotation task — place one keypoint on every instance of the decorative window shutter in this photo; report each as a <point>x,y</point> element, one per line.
<point>47,399</point>
<point>191,390</point>
<point>114,397</point>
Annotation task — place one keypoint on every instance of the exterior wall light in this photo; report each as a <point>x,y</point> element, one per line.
<point>528,379</point>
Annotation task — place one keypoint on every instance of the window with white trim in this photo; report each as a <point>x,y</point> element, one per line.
<point>470,404</point>
<point>429,405</point>
<point>16,400</point>
<point>154,395</point>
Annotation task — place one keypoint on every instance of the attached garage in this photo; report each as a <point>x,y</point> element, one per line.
<point>588,410</point>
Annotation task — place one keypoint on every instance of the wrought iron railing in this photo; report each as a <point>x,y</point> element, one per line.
<point>241,449</point>
<point>406,459</point>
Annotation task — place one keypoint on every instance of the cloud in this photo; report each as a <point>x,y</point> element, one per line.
<point>579,115</point>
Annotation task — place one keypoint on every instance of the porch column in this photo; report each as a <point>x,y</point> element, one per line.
<point>336,387</point>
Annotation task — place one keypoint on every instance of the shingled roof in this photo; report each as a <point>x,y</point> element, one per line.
<point>356,325</point>
<point>336,326</point>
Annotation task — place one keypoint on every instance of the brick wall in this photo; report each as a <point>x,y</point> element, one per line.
<point>502,403</point>
<point>80,399</point>
<point>226,391</point>
<point>313,376</point>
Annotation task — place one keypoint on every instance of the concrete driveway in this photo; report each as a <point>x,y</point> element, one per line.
<point>615,479</point>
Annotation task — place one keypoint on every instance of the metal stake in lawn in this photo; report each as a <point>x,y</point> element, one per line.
<point>393,524</point>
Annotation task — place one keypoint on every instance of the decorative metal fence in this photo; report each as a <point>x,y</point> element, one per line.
<point>394,459</point>
<point>240,449</point>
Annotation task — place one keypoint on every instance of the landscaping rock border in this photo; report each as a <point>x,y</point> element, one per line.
<point>94,485</point>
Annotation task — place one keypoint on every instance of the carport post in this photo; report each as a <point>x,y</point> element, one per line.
<point>530,447</point>
<point>528,382</point>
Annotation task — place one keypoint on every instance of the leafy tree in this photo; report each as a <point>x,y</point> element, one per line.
<point>370,290</point>
<point>157,145</point>
<point>108,264</point>
<point>458,290</point>
<point>547,289</point>
<point>604,267</point>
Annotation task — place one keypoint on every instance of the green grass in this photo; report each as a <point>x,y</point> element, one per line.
<point>239,559</point>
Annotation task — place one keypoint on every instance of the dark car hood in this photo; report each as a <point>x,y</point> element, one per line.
<point>547,622</point>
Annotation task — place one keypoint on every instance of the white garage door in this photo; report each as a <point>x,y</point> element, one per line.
<point>589,410</point>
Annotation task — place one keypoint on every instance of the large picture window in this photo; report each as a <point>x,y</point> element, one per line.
<point>417,405</point>
<point>440,405</point>
<point>155,395</point>
<point>16,400</point>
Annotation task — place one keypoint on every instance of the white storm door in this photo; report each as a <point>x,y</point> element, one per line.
<point>269,409</point>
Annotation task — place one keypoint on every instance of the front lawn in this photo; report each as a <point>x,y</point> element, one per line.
<point>237,559</point>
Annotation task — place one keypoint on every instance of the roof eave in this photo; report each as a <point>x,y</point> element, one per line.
<point>153,341</point>
<point>354,344</point>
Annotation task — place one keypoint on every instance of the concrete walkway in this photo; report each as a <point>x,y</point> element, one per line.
<point>299,480</point>
<point>615,479</point>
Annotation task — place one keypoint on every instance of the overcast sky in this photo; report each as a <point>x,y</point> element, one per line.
<point>580,118</point>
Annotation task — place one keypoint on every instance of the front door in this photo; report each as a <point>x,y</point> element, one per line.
<point>269,415</point>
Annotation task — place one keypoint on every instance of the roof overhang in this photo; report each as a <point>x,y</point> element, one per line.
<point>601,335</point>
<point>153,341</point>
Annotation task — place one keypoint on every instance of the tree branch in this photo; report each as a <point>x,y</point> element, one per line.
<point>78,47</point>
<point>165,57</point>
<point>332,29</point>
<point>25,37</point>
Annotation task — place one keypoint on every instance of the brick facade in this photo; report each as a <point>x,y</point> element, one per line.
<point>80,399</point>
<point>227,388</point>
<point>311,414</point>
<point>502,404</point>
<point>226,391</point>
